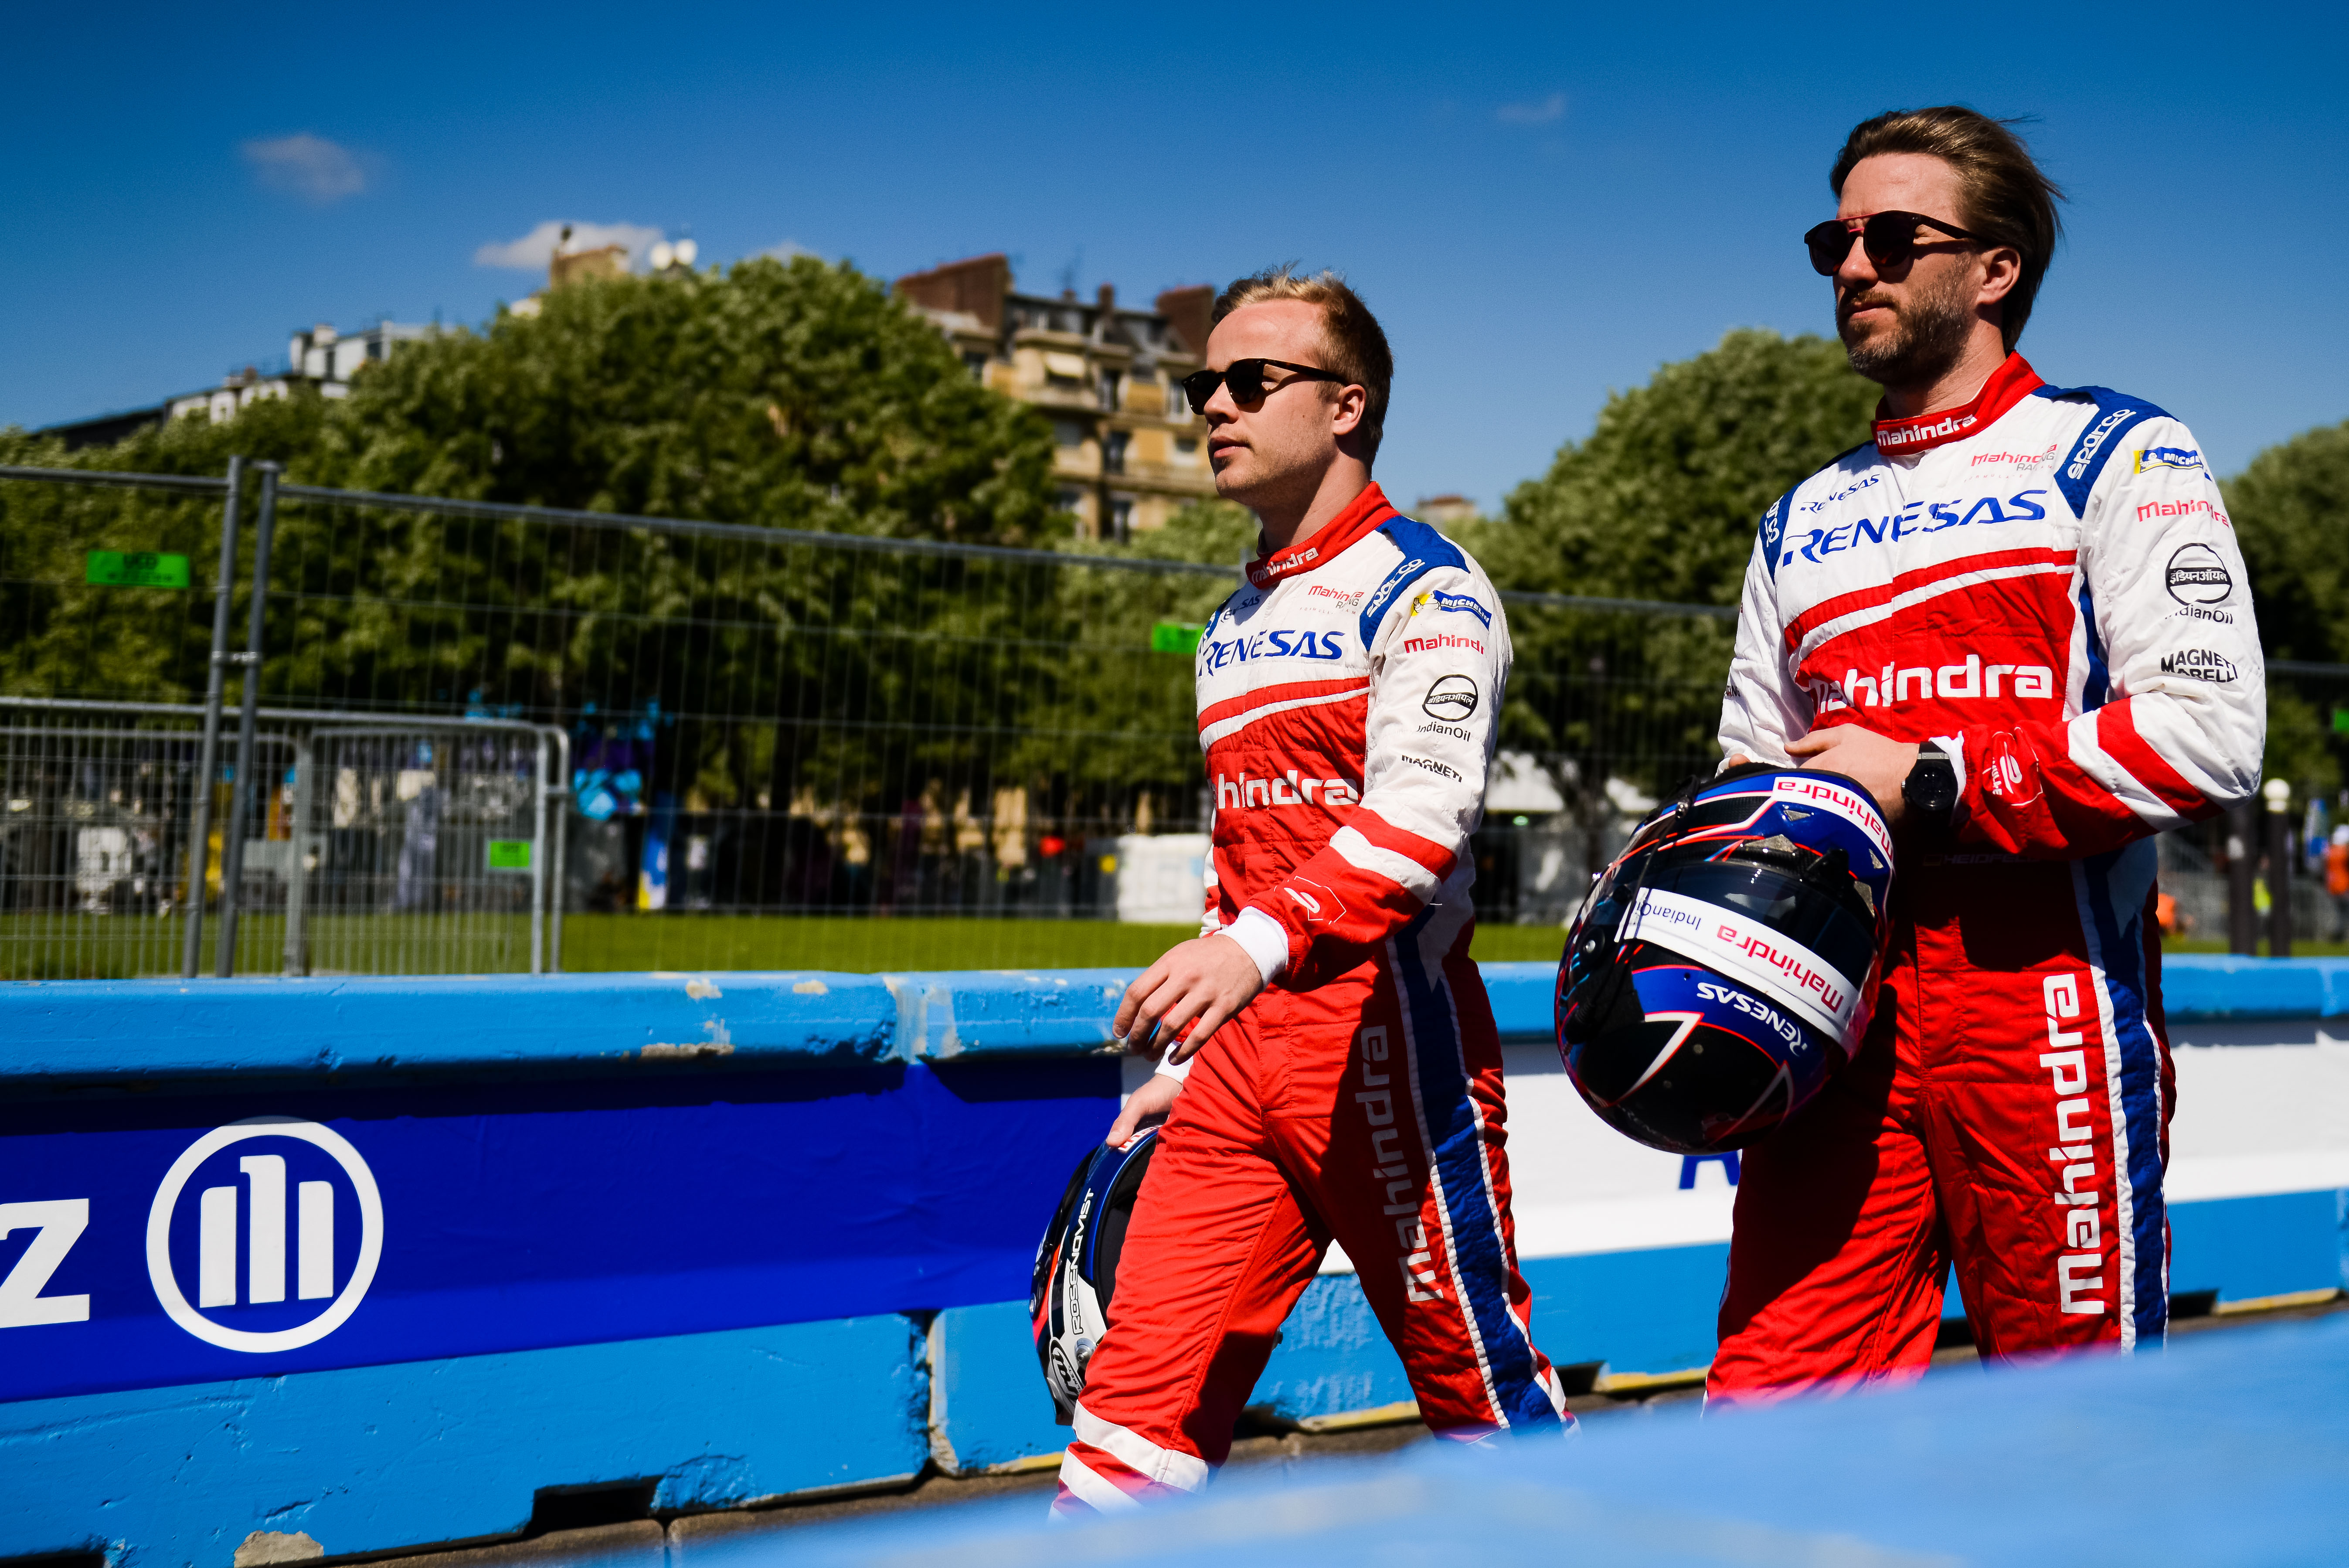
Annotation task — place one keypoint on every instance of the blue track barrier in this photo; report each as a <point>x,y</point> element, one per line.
<point>377,1260</point>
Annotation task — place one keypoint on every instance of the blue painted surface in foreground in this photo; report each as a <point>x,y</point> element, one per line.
<point>2225,1450</point>
<point>382,1457</point>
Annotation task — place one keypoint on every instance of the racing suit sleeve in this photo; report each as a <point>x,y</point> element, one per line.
<point>2174,702</point>
<point>1761,708</point>
<point>1439,665</point>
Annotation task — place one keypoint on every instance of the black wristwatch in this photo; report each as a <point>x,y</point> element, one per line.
<point>1930,789</point>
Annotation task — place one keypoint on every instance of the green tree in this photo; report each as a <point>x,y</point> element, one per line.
<point>2290,506</point>
<point>1660,501</point>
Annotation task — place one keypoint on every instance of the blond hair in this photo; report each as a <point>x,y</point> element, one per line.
<point>1352,343</point>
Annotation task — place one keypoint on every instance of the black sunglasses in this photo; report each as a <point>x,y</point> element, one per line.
<point>1246,378</point>
<point>1891,239</point>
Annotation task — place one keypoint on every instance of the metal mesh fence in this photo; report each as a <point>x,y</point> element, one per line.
<point>789,749</point>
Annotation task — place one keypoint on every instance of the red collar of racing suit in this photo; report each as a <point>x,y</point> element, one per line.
<point>1365,513</point>
<point>2008,385</point>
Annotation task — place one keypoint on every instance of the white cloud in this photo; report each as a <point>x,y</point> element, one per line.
<point>308,166</point>
<point>1552,107</point>
<point>534,250</point>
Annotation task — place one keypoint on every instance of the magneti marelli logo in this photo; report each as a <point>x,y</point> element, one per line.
<point>264,1237</point>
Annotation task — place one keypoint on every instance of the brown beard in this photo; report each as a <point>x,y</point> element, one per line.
<point>1928,336</point>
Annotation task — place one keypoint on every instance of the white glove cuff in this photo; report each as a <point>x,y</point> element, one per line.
<point>1263,939</point>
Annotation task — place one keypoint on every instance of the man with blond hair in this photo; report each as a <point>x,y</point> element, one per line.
<point>1330,1064</point>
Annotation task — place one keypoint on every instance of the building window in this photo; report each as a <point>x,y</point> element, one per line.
<point>1178,404</point>
<point>1072,500</point>
<point>1069,432</point>
<point>1187,449</point>
<point>1121,516</point>
<point>1111,381</point>
<point>1113,447</point>
<point>976,363</point>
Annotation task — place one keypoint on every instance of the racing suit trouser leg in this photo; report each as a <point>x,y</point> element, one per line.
<point>1218,1250</point>
<point>1369,1108</point>
<point>1838,1256</point>
<point>2046,1103</point>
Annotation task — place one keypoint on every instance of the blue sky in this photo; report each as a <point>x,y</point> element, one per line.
<point>1542,204</point>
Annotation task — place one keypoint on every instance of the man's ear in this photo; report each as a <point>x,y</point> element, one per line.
<point>2002,270</point>
<point>1347,409</point>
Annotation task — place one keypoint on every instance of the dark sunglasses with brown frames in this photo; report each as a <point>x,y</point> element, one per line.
<point>1889,238</point>
<point>1246,378</point>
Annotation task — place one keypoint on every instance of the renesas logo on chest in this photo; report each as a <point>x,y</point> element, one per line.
<point>1917,517</point>
<point>1274,642</point>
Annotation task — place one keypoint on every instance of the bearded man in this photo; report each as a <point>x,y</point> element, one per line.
<point>2019,619</point>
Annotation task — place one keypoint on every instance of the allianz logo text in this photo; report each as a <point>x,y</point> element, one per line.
<point>283,1212</point>
<point>1244,793</point>
<point>2078,1207</point>
<point>1917,517</point>
<point>1965,682</point>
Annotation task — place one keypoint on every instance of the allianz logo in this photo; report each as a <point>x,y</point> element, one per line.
<point>1944,683</point>
<point>253,1222</point>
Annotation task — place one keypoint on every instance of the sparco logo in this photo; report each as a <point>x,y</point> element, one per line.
<point>1452,698</point>
<point>2096,438</point>
<point>2198,664</point>
<point>2197,576</point>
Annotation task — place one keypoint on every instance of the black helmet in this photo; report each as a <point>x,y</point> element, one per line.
<point>1727,961</point>
<point>1076,1264</point>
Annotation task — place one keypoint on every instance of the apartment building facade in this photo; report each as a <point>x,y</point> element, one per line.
<point>1128,452</point>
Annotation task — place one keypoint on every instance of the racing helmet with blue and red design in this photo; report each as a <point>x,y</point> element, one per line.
<point>1726,963</point>
<point>1076,1263</point>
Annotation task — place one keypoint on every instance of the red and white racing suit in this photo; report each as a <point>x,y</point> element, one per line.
<point>2046,582</point>
<point>1348,697</point>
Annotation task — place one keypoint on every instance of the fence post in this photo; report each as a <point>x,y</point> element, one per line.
<point>560,797</point>
<point>248,715</point>
<point>297,944</point>
<point>2280,848</point>
<point>538,857</point>
<point>2242,919</point>
<point>192,956</point>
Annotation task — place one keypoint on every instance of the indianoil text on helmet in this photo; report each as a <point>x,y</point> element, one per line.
<point>1726,963</point>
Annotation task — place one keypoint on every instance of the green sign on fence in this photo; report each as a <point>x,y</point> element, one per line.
<point>508,854</point>
<point>1174,637</point>
<point>2341,720</point>
<point>137,569</point>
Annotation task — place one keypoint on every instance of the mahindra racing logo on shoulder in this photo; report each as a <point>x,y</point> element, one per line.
<point>2095,438</point>
<point>1453,698</point>
<point>2198,664</point>
<point>2198,576</point>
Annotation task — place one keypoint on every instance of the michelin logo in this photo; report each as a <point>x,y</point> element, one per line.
<point>1459,603</point>
<point>2154,457</point>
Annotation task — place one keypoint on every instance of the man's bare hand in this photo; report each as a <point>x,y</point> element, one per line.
<point>1201,983</point>
<point>1146,1106</point>
<point>1878,763</point>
